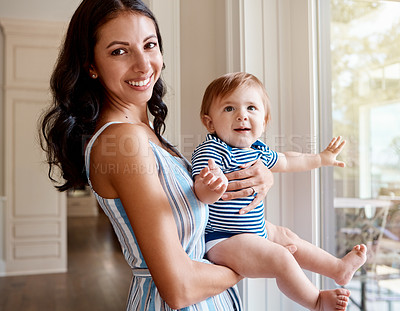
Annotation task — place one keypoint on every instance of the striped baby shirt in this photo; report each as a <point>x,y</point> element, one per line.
<point>224,216</point>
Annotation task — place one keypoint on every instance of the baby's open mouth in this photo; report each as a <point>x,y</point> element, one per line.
<point>245,129</point>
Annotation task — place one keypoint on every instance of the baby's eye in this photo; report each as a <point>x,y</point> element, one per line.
<point>118,52</point>
<point>251,108</point>
<point>228,108</point>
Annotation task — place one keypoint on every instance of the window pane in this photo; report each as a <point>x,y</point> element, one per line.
<point>365,62</point>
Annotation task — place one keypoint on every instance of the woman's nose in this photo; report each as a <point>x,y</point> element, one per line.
<point>141,62</point>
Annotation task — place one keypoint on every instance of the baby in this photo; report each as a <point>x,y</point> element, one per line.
<point>235,111</point>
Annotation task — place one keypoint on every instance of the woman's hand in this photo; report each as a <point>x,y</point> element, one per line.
<point>253,178</point>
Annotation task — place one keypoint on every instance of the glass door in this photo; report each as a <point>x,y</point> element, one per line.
<point>364,55</point>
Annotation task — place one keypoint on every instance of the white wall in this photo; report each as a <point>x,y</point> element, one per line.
<point>2,233</point>
<point>49,10</point>
<point>1,114</point>
<point>202,60</point>
<point>2,168</point>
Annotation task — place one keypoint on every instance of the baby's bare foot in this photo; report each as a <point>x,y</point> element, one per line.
<point>333,300</point>
<point>350,264</point>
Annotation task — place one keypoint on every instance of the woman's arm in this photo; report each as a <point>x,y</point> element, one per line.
<point>180,281</point>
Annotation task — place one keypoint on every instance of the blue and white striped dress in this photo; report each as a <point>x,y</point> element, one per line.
<point>190,217</point>
<point>225,220</point>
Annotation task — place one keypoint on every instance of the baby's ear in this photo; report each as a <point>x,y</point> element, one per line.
<point>266,121</point>
<point>208,123</point>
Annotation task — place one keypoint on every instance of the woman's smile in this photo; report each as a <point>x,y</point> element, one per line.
<point>144,83</point>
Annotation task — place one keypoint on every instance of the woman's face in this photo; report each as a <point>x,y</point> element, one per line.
<point>127,58</point>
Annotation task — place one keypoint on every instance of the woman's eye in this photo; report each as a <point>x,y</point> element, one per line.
<point>118,52</point>
<point>228,109</point>
<point>150,45</point>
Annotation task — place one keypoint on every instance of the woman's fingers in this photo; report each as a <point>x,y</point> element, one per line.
<point>254,179</point>
<point>257,200</point>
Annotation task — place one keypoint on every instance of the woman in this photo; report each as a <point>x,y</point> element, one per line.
<point>106,80</point>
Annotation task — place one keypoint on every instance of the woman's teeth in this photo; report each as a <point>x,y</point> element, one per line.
<point>139,83</point>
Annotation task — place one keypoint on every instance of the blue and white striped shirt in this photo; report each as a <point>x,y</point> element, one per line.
<point>224,215</point>
<point>190,217</point>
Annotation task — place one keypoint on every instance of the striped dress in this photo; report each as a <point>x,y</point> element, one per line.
<point>225,220</point>
<point>190,217</point>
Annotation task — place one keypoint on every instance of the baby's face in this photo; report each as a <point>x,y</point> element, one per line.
<point>239,118</point>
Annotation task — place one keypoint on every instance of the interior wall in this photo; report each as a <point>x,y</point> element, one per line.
<point>42,10</point>
<point>2,123</point>
<point>38,10</point>
<point>2,156</point>
<point>48,10</point>
<point>202,60</point>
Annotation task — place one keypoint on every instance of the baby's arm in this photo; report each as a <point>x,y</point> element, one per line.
<point>210,184</point>
<point>299,162</point>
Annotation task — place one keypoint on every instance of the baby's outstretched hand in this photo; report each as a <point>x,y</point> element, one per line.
<point>328,156</point>
<point>213,178</point>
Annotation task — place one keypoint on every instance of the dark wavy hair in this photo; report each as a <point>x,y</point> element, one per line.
<point>78,99</point>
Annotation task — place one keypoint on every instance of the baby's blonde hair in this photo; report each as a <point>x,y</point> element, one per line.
<point>226,84</point>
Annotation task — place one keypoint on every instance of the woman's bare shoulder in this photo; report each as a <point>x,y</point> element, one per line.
<point>122,140</point>
<point>115,156</point>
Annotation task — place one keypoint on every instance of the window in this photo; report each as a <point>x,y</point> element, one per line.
<point>364,55</point>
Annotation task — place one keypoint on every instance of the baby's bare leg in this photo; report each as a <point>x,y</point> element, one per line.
<point>313,258</point>
<point>255,257</point>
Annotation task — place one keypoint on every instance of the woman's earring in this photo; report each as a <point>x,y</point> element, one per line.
<point>94,76</point>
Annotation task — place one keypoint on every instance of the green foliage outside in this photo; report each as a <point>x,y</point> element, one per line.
<point>365,64</point>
